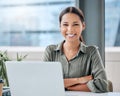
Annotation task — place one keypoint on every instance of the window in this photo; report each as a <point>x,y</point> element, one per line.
<point>31,22</point>
<point>112,23</point>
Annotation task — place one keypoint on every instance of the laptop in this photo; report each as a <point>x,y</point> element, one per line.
<point>35,78</point>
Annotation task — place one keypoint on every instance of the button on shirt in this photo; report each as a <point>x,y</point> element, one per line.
<point>86,62</point>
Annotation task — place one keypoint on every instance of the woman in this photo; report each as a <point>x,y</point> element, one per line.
<point>83,68</point>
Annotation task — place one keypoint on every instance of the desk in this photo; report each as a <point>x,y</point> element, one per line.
<point>75,93</point>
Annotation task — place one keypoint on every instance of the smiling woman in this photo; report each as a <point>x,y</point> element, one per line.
<point>82,65</point>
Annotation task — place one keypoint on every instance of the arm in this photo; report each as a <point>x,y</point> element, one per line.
<point>1,87</point>
<point>68,82</point>
<point>47,56</point>
<point>79,87</point>
<point>99,83</point>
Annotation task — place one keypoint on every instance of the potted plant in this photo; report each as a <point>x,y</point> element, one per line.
<point>3,58</point>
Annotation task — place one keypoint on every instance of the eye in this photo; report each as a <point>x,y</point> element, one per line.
<point>76,24</point>
<point>65,24</point>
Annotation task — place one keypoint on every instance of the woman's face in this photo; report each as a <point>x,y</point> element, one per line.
<point>71,27</point>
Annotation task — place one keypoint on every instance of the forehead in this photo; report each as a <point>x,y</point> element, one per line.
<point>70,17</point>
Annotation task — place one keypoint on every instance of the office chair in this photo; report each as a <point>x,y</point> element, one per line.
<point>110,86</point>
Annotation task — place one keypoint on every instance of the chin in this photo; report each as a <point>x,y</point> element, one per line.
<point>70,40</point>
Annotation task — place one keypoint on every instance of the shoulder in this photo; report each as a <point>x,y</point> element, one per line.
<point>55,47</point>
<point>92,49</point>
<point>51,47</point>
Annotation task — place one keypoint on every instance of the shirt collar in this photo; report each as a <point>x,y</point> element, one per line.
<point>59,47</point>
<point>82,47</point>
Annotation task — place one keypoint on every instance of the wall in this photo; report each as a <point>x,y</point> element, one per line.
<point>112,65</point>
<point>33,53</point>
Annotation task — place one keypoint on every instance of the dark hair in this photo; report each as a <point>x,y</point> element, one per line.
<point>76,11</point>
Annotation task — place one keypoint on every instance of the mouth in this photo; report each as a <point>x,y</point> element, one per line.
<point>70,35</point>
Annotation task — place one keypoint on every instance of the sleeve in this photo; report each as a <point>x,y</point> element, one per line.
<point>47,56</point>
<point>99,84</point>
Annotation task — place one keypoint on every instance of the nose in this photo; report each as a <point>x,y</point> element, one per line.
<point>70,28</point>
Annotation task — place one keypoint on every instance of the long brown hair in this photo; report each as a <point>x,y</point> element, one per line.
<point>76,11</point>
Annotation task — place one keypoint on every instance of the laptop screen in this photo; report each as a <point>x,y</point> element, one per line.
<point>35,78</point>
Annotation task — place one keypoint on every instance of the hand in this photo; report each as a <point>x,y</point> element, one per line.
<point>85,79</point>
<point>74,81</point>
<point>70,82</point>
<point>82,87</point>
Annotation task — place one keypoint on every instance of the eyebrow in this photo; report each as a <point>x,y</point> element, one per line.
<point>73,22</point>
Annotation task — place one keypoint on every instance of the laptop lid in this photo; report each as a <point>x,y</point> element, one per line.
<point>35,78</point>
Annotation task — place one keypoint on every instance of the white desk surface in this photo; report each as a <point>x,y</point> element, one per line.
<point>75,93</point>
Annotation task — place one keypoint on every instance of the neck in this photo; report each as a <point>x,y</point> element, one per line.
<point>71,45</point>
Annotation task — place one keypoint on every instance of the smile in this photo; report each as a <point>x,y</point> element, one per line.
<point>70,35</point>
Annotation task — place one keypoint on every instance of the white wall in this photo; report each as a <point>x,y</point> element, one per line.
<point>33,53</point>
<point>112,65</point>
<point>112,60</point>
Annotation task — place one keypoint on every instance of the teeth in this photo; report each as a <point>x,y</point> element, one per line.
<point>70,35</point>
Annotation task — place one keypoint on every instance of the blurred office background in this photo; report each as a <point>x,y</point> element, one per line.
<point>28,26</point>
<point>35,22</point>
<point>31,22</point>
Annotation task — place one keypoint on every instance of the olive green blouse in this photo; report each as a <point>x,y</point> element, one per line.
<point>86,62</point>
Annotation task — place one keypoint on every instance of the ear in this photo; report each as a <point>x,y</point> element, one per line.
<point>84,26</point>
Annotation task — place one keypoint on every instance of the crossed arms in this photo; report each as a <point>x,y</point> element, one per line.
<point>77,84</point>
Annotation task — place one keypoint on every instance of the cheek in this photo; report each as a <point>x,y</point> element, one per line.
<point>79,30</point>
<point>63,29</point>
